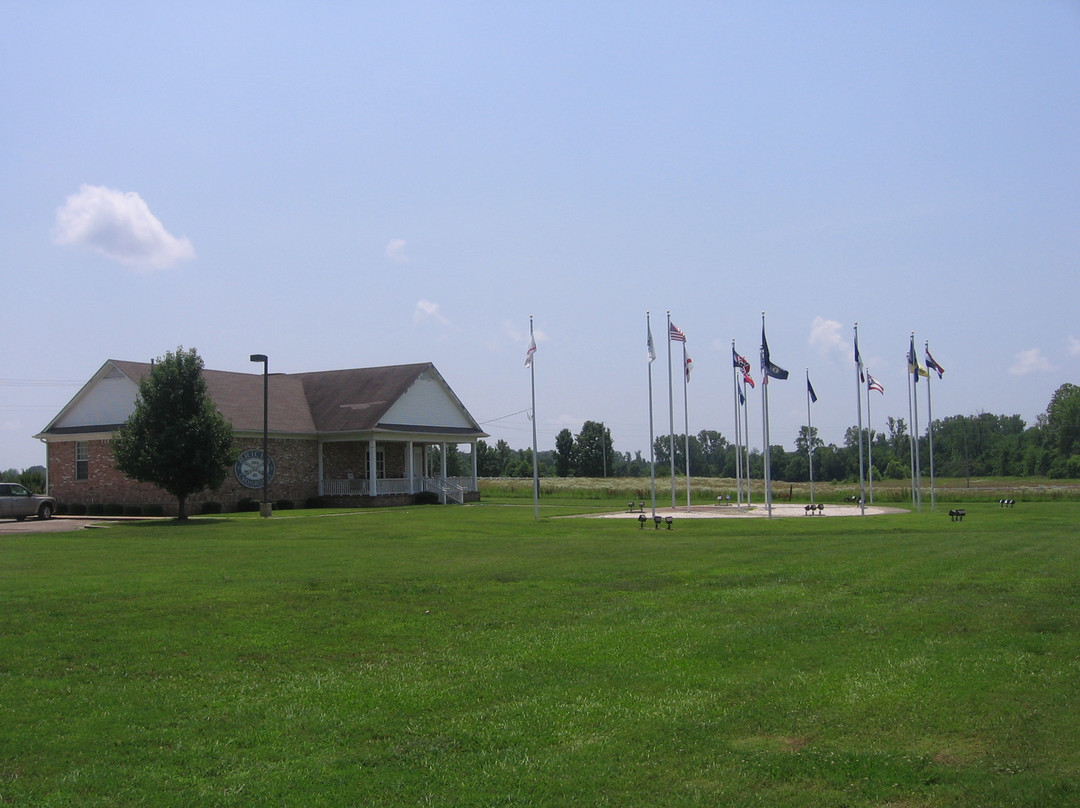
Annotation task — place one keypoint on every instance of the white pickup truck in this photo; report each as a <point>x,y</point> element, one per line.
<point>17,502</point>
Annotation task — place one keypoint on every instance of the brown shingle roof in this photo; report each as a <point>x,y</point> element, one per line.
<point>239,397</point>
<point>355,400</point>
<point>312,403</point>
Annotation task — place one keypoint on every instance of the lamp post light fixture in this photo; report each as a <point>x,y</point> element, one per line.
<point>264,509</point>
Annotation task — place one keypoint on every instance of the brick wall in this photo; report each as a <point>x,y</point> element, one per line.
<point>296,478</point>
<point>342,459</point>
<point>104,485</point>
<point>296,473</point>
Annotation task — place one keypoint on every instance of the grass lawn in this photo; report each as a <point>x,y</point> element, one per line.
<point>472,656</point>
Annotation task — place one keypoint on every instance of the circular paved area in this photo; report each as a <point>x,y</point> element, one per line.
<point>753,511</point>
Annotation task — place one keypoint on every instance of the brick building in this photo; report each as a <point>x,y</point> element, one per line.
<point>354,437</point>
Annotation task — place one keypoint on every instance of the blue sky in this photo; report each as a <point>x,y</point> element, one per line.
<point>356,184</point>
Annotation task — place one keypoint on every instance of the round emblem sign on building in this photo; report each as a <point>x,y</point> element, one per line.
<point>249,468</point>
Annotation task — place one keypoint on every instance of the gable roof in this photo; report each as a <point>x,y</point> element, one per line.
<point>317,404</point>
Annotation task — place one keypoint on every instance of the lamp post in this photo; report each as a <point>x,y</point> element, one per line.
<point>264,510</point>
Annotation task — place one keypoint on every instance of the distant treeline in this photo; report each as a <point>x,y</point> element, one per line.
<point>964,446</point>
<point>33,478</point>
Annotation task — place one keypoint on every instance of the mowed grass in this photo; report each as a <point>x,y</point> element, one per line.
<point>472,656</point>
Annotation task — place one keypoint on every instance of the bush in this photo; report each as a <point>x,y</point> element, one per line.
<point>152,510</point>
<point>77,509</point>
<point>211,507</point>
<point>132,510</point>
<point>247,505</point>
<point>284,505</point>
<point>95,509</point>
<point>114,509</point>
<point>427,498</point>
<point>315,502</point>
<point>62,508</point>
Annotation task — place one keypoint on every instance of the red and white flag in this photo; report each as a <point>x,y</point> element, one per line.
<point>529,353</point>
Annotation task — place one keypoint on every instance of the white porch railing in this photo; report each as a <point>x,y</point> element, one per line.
<point>449,489</point>
<point>343,488</point>
<point>454,487</point>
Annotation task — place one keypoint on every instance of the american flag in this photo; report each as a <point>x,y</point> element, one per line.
<point>675,334</point>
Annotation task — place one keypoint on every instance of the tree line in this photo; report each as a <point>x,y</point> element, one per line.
<point>978,445</point>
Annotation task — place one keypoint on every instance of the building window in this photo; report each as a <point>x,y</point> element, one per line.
<point>380,465</point>
<point>82,460</point>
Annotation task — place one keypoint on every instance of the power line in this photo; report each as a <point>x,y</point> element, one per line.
<point>41,383</point>
<point>503,417</point>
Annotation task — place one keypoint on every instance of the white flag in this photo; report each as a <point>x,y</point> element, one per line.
<point>652,350</point>
<point>529,353</point>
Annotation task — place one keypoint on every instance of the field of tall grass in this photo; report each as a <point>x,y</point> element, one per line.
<point>706,490</point>
<point>476,656</point>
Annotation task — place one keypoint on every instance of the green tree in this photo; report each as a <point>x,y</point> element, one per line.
<point>504,456</point>
<point>34,479</point>
<point>1062,431</point>
<point>592,450</point>
<point>564,453</point>
<point>487,461</point>
<point>456,465</point>
<point>808,438</point>
<point>175,438</point>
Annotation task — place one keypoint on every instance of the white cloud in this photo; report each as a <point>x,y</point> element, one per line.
<point>426,310</point>
<point>518,335</point>
<point>825,335</point>
<point>512,332</point>
<point>1030,361</point>
<point>395,251</point>
<point>1074,346</point>
<point>118,225</point>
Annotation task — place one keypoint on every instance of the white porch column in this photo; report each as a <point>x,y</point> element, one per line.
<point>475,476</point>
<point>373,467</point>
<point>442,470</point>
<point>409,472</point>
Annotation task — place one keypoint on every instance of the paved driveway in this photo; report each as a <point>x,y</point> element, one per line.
<point>58,524</point>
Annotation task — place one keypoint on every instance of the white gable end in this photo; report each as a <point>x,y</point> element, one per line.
<point>110,401</point>
<point>427,403</point>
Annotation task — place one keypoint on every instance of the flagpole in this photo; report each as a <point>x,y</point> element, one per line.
<point>858,396</point>
<point>686,422</point>
<point>536,467</point>
<point>930,431</point>
<point>765,420</point>
<point>746,442</point>
<point>917,482</point>
<point>911,444</point>
<point>671,412</point>
<point>738,430</point>
<point>809,438</point>
<point>652,449</point>
<point>869,441</point>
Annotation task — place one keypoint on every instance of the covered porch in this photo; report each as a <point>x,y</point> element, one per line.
<point>393,467</point>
